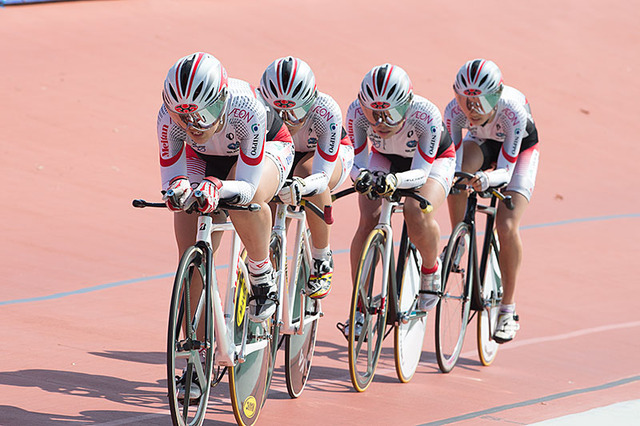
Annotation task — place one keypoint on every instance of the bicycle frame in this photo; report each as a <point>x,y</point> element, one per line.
<point>287,285</point>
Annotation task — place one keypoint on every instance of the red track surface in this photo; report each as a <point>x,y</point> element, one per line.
<point>80,87</point>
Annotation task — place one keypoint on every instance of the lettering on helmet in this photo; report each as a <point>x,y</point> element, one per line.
<point>242,114</point>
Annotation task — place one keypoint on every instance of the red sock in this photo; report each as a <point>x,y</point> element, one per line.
<point>429,270</point>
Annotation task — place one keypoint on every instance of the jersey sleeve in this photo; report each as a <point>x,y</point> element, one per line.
<point>455,121</point>
<point>357,126</point>
<point>248,118</point>
<point>172,147</point>
<point>327,122</point>
<point>513,120</point>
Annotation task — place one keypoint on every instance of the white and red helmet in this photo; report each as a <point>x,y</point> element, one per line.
<point>385,94</point>
<point>481,81</point>
<point>289,86</point>
<point>196,89</point>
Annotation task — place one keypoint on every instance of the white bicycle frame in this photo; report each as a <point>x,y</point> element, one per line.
<point>384,224</point>
<point>226,352</point>
<point>287,292</point>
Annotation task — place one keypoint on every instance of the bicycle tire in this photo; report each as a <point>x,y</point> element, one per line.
<point>491,296</point>
<point>411,325</point>
<point>249,380</point>
<point>299,348</point>
<point>452,311</point>
<point>183,343</point>
<point>368,299</point>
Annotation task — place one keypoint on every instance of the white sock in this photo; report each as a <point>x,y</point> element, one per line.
<point>257,268</point>
<point>323,253</point>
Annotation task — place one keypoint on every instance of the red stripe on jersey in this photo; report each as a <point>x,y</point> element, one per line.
<point>425,156</point>
<point>327,157</point>
<point>252,161</point>
<point>346,141</point>
<point>359,149</point>
<point>450,152</point>
<point>283,135</point>
<point>166,162</point>
<point>508,157</point>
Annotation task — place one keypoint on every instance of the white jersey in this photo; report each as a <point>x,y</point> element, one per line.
<point>242,135</point>
<point>321,133</point>
<point>419,138</point>
<point>509,126</point>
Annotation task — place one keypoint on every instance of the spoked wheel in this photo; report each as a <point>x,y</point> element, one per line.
<point>491,298</point>
<point>409,333</point>
<point>452,312</point>
<point>249,378</point>
<point>299,348</point>
<point>368,308</point>
<point>190,341</point>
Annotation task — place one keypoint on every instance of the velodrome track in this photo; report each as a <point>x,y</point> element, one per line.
<point>86,278</point>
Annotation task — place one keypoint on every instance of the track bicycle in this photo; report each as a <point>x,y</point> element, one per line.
<point>297,314</point>
<point>386,293</point>
<point>463,293</point>
<point>208,334</point>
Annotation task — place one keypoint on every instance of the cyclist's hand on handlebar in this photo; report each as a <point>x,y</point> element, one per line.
<point>292,193</point>
<point>364,182</point>
<point>480,182</point>
<point>206,196</point>
<point>387,184</point>
<point>177,193</point>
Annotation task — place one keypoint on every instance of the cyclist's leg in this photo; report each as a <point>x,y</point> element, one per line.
<point>508,221</point>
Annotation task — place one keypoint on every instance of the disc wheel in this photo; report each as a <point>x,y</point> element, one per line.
<point>299,348</point>
<point>190,339</point>
<point>491,298</point>
<point>452,311</point>
<point>369,307</point>
<point>249,378</point>
<point>411,324</point>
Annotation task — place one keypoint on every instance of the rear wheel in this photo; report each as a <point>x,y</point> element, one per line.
<point>190,339</point>
<point>411,323</point>
<point>491,298</point>
<point>249,379</point>
<point>452,311</point>
<point>369,308</point>
<point>299,348</point>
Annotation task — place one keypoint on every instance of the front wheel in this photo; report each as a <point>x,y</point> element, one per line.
<point>190,340</point>
<point>299,348</point>
<point>411,323</point>
<point>452,311</point>
<point>368,314</point>
<point>491,298</point>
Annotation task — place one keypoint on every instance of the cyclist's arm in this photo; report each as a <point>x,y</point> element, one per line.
<point>357,131</point>
<point>455,121</point>
<point>250,159</point>
<point>513,119</point>
<point>328,132</point>
<point>171,144</point>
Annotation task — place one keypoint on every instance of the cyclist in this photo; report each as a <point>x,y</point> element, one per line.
<point>501,147</point>
<point>212,135</point>
<point>410,148</point>
<point>324,155</point>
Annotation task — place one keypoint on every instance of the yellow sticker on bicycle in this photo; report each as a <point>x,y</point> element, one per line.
<point>249,406</point>
<point>241,299</point>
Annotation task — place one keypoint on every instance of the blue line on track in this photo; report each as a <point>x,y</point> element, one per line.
<point>500,408</point>
<point>156,277</point>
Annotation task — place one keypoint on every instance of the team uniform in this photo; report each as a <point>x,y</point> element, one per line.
<point>421,149</point>
<point>247,136</point>
<point>509,141</point>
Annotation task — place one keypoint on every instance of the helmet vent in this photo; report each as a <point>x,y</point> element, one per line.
<point>380,77</point>
<point>173,94</point>
<point>297,89</point>
<point>392,90</point>
<point>369,92</point>
<point>198,90</point>
<point>273,89</point>
<point>483,80</point>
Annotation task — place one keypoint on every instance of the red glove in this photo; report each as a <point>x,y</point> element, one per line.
<point>209,195</point>
<point>177,193</point>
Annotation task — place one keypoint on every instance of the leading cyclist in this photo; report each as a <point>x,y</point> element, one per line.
<point>501,147</point>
